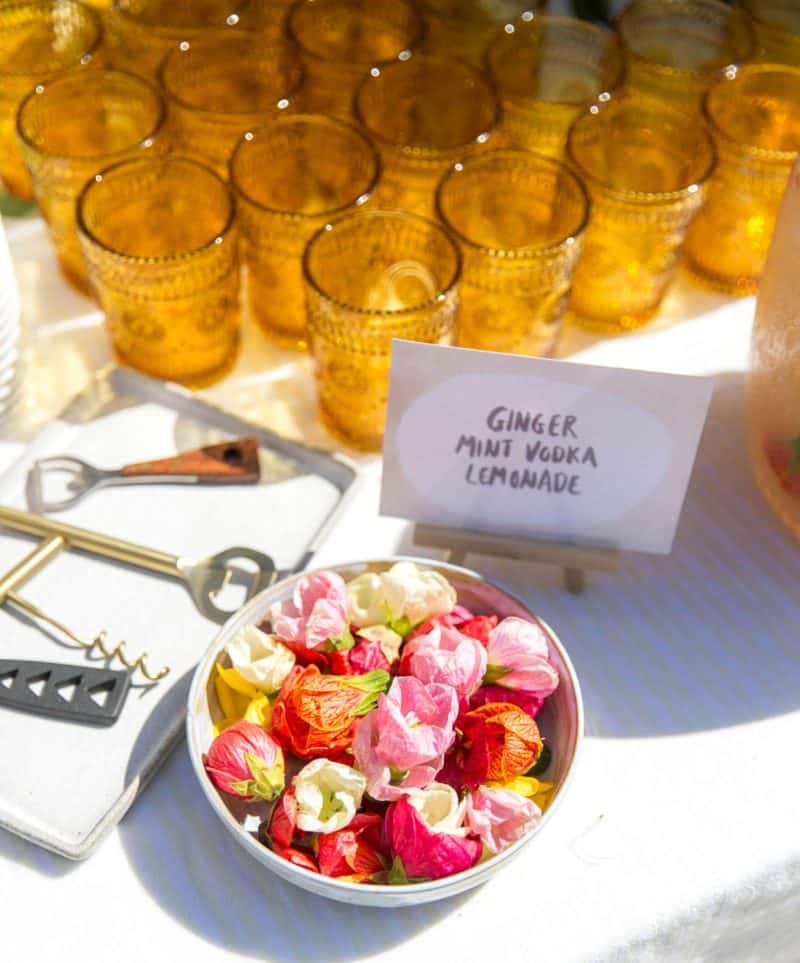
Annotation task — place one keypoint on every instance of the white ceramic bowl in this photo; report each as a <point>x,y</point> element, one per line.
<point>560,721</point>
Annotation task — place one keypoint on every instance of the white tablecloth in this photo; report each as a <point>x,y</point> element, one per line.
<point>680,837</point>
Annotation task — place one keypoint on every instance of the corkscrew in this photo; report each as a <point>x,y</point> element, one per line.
<point>44,552</point>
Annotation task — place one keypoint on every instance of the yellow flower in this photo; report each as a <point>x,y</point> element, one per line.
<point>530,787</point>
<point>234,693</point>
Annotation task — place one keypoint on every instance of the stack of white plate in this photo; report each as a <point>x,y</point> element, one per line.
<point>9,330</point>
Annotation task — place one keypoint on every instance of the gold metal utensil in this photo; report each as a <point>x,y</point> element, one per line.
<point>44,552</point>
<point>205,579</point>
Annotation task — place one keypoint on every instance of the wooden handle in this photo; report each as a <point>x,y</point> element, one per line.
<point>231,462</point>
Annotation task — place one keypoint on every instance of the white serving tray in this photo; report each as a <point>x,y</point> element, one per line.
<point>64,785</point>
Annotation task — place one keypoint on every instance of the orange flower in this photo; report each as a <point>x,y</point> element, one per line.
<point>314,714</point>
<point>501,742</point>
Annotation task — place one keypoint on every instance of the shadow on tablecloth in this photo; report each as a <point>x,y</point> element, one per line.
<point>196,872</point>
<point>705,638</point>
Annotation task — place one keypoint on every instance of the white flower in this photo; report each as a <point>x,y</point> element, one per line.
<point>328,795</point>
<point>387,639</point>
<point>415,593</point>
<point>365,601</point>
<point>440,809</point>
<point>260,658</point>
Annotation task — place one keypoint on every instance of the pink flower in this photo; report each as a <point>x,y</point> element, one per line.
<point>315,615</point>
<point>453,619</point>
<point>424,852</point>
<point>446,656</point>
<point>500,817</point>
<point>366,656</point>
<point>244,760</point>
<point>401,744</point>
<point>527,701</point>
<point>518,658</point>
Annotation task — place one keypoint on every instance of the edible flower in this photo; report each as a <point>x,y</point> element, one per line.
<point>246,761</point>
<point>316,614</point>
<point>283,820</point>
<point>328,795</point>
<point>528,786</point>
<point>260,659</point>
<point>353,852</point>
<point>501,742</point>
<point>421,851</point>
<point>527,701</point>
<point>499,817</point>
<point>299,857</point>
<point>402,597</point>
<point>518,658</point>
<point>388,640</point>
<point>446,656</point>
<point>401,744</point>
<point>479,627</point>
<point>413,594</point>
<point>314,713</point>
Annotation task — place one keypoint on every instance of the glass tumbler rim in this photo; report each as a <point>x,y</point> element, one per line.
<point>533,159</point>
<point>731,75</point>
<point>633,196</point>
<point>223,37</point>
<point>391,313</point>
<point>666,69</point>
<point>589,29</point>
<point>291,32</point>
<point>422,151</point>
<point>179,32</point>
<point>290,120</point>
<point>162,259</point>
<point>90,75</point>
<point>755,11</point>
<point>431,8</point>
<point>88,54</point>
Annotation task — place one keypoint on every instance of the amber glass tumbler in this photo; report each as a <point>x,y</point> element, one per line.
<point>218,88</point>
<point>371,277</point>
<point>754,116</point>
<point>645,166</point>
<point>546,70</point>
<point>518,218</point>
<point>37,40</point>
<point>120,114</point>
<point>777,24</point>
<point>159,238</point>
<point>425,114</point>
<point>675,49</point>
<point>290,178</point>
<point>142,32</point>
<point>340,40</point>
<point>463,28</point>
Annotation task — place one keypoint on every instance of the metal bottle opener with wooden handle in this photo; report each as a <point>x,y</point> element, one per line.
<point>204,578</point>
<point>230,463</point>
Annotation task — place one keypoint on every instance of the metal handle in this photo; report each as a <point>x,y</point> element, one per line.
<point>95,542</point>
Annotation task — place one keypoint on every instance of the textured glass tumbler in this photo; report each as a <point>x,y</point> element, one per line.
<point>463,28</point>
<point>120,115</point>
<point>140,33</point>
<point>518,218</point>
<point>675,49</point>
<point>218,88</point>
<point>371,277</point>
<point>645,166</point>
<point>37,40</point>
<point>777,24</point>
<point>546,70</point>
<point>754,116</point>
<point>159,239</point>
<point>424,114</point>
<point>339,40</point>
<point>290,178</point>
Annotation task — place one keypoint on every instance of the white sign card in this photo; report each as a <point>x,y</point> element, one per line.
<point>528,446</point>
